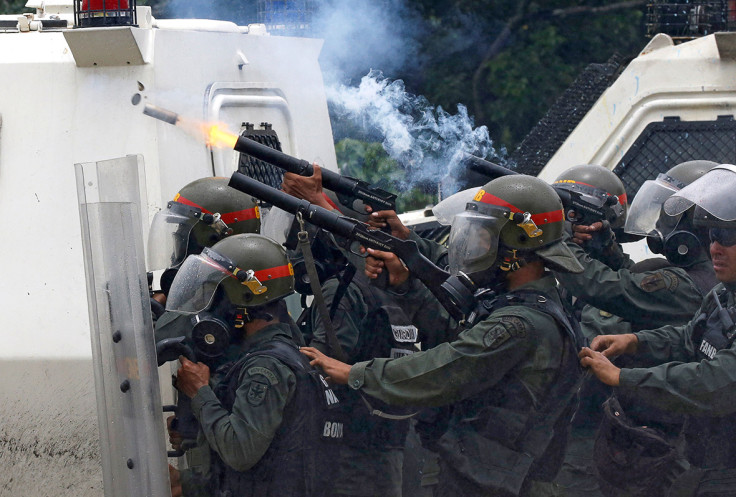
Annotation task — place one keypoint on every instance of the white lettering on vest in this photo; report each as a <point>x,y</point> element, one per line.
<point>332,430</point>
<point>708,349</point>
<point>405,333</point>
<point>331,397</point>
<point>400,353</point>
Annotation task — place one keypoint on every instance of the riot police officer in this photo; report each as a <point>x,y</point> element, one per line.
<point>665,295</point>
<point>700,380</point>
<point>510,374</point>
<point>202,213</point>
<point>368,322</point>
<point>622,297</point>
<point>262,414</point>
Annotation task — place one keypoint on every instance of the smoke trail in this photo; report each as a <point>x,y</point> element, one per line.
<point>360,34</point>
<point>426,141</point>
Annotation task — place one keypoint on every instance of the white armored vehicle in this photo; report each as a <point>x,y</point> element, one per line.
<point>75,79</point>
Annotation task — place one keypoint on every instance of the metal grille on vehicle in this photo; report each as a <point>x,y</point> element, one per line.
<point>665,144</point>
<point>688,19</point>
<point>255,168</point>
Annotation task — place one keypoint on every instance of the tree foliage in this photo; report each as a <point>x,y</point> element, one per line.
<point>370,162</point>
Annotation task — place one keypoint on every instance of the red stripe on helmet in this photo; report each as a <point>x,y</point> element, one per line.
<point>563,181</point>
<point>623,199</point>
<point>188,202</point>
<point>541,218</point>
<point>274,272</point>
<point>244,215</point>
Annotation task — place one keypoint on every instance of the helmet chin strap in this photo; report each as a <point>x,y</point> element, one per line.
<point>509,260</point>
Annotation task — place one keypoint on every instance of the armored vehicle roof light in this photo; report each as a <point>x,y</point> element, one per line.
<point>99,13</point>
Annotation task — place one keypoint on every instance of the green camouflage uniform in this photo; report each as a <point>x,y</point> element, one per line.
<point>498,374</point>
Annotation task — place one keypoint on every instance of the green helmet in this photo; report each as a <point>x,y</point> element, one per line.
<point>202,213</point>
<point>515,214</point>
<point>597,183</point>
<point>252,270</point>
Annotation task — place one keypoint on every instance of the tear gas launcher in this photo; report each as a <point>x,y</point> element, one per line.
<point>348,189</point>
<point>451,291</point>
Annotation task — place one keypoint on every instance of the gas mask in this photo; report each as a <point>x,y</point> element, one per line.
<point>674,238</point>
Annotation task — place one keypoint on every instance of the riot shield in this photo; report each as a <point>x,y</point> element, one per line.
<point>123,352</point>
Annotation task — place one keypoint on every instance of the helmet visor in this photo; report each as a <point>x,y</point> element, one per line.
<point>473,244</point>
<point>448,208</point>
<point>168,238</point>
<point>195,284</point>
<point>712,192</point>
<point>647,205</point>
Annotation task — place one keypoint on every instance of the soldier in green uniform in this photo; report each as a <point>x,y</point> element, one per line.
<point>509,375</point>
<point>697,371</point>
<point>261,414</point>
<point>622,297</point>
<point>368,322</point>
<point>202,213</point>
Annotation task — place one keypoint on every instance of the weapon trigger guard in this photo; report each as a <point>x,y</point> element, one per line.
<point>357,252</point>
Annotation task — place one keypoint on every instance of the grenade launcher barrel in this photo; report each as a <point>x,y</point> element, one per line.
<point>348,189</point>
<point>407,250</point>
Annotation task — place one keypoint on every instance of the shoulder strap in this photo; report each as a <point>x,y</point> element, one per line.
<point>345,278</point>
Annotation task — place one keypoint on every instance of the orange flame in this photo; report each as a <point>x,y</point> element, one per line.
<point>217,135</point>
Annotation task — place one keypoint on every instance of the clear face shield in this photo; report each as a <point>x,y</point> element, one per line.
<point>170,238</point>
<point>713,193</point>
<point>473,244</point>
<point>647,205</point>
<point>446,210</point>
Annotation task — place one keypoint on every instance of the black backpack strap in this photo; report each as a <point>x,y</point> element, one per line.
<point>345,278</point>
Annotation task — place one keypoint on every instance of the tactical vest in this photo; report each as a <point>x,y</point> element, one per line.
<point>296,459</point>
<point>494,447</point>
<point>709,440</point>
<point>386,331</point>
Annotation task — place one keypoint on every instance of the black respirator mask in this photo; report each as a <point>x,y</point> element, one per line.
<point>465,290</point>
<point>680,246</point>
<point>217,327</point>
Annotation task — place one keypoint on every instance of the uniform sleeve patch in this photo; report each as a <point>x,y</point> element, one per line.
<point>654,282</point>
<point>673,280</point>
<point>509,326</point>
<point>257,370</point>
<point>257,391</point>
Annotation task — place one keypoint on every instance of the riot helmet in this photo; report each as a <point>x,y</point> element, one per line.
<point>713,196</point>
<point>674,236</point>
<point>510,219</point>
<point>202,213</point>
<point>251,270</point>
<point>236,280</point>
<point>598,187</point>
